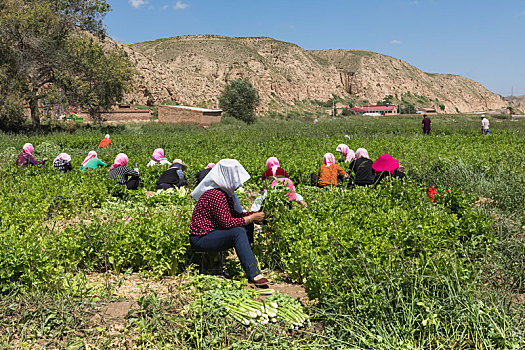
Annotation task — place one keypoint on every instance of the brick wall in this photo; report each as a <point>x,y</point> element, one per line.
<point>172,115</point>
<point>112,115</point>
<point>121,115</point>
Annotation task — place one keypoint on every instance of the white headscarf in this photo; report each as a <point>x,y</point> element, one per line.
<point>227,175</point>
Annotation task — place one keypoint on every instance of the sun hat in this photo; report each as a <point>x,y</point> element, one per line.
<point>385,162</point>
<point>179,161</point>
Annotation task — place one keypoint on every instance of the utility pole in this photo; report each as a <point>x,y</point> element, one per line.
<point>333,108</point>
<point>286,109</point>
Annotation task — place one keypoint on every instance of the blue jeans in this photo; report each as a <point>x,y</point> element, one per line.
<point>219,240</point>
<point>486,131</point>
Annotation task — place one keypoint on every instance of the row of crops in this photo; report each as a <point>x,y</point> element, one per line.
<point>387,267</point>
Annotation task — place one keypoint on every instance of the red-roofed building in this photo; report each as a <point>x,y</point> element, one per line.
<point>383,110</point>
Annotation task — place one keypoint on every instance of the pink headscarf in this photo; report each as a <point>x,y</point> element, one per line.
<point>272,163</point>
<point>63,156</point>
<point>385,163</point>
<point>28,148</point>
<point>290,194</point>
<point>328,159</point>
<point>120,159</point>
<point>346,151</point>
<point>210,165</point>
<point>91,154</point>
<point>316,121</point>
<point>361,153</point>
<point>107,136</point>
<point>158,155</point>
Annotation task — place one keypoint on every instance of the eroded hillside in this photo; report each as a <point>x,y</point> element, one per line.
<point>194,69</point>
<point>373,76</point>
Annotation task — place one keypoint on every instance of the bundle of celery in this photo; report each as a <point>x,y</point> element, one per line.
<point>230,298</point>
<point>288,310</point>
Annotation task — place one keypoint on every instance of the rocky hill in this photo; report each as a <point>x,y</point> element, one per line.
<point>373,76</point>
<point>194,69</point>
<point>517,102</point>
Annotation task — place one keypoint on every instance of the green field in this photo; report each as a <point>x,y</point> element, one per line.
<point>384,268</point>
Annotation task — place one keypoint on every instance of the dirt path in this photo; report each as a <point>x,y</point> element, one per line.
<point>132,287</point>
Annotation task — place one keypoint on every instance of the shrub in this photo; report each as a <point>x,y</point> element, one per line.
<point>11,113</point>
<point>407,108</point>
<point>346,112</point>
<point>239,100</point>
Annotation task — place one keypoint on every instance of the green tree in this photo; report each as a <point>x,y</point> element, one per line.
<point>239,100</point>
<point>407,108</point>
<point>106,73</point>
<point>41,40</point>
<point>11,104</point>
<point>346,112</point>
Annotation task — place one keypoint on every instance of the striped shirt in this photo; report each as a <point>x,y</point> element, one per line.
<point>62,165</point>
<point>121,174</point>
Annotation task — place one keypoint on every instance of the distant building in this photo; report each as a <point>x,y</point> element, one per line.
<point>189,115</point>
<point>426,111</point>
<point>383,110</point>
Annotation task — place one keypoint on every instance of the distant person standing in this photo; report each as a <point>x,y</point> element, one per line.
<point>485,130</point>
<point>426,125</point>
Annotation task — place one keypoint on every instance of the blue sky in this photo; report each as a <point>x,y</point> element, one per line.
<point>481,40</point>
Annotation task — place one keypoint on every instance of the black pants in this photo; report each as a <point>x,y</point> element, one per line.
<point>132,183</point>
<point>314,178</point>
<point>164,186</point>
<point>426,132</point>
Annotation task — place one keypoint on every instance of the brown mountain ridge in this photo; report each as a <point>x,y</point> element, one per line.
<point>193,70</point>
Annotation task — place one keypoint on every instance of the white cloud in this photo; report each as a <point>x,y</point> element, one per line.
<point>522,13</point>
<point>180,5</point>
<point>396,42</point>
<point>165,7</point>
<point>137,3</point>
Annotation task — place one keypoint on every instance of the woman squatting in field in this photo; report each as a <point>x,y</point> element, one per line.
<point>218,222</point>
